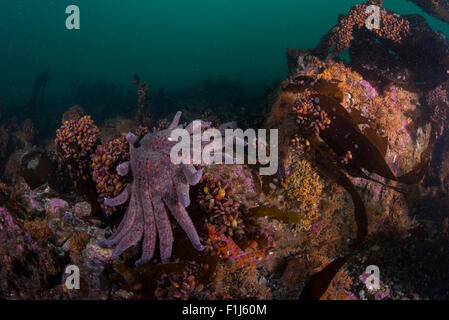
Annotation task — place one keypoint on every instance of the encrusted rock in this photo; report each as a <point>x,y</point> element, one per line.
<point>82,209</point>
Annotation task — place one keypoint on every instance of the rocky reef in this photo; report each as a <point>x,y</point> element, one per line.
<point>363,180</point>
<point>437,8</point>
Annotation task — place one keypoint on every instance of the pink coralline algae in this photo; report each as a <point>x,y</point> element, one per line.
<point>13,234</point>
<point>56,207</point>
<point>370,91</point>
<point>157,183</point>
<point>22,260</point>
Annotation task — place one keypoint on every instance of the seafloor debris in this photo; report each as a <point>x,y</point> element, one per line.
<point>363,180</point>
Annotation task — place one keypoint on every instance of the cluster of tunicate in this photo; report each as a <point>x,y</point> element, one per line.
<point>75,141</point>
<point>310,117</point>
<point>103,169</point>
<point>228,237</point>
<point>392,27</point>
<point>173,286</point>
<point>342,36</point>
<point>221,210</point>
<point>225,248</point>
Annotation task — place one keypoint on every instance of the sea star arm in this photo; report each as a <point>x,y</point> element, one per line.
<point>163,228</point>
<point>192,175</point>
<point>125,225</point>
<point>131,238</point>
<point>131,137</point>
<point>149,229</point>
<point>182,190</point>
<point>120,199</point>
<point>182,186</point>
<point>175,121</point>
<point>182,217</point>
<point>189,128</point>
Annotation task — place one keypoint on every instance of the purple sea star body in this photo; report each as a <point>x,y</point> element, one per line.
<point>158,184</point>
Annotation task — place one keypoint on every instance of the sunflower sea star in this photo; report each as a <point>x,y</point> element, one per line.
<point>157,185</point>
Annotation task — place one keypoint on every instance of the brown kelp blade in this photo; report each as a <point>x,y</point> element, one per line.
<point>344,135</point>
<point>368,148</point>
<point>368,151</point>
<point>369,157</point>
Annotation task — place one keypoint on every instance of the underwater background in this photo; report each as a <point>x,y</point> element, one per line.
<point>362,155</point>
<point>170,44</point>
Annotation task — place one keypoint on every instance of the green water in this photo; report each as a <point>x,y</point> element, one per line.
<point>169,43</point>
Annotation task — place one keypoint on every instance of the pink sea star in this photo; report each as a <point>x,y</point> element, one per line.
<point>157,185</point>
